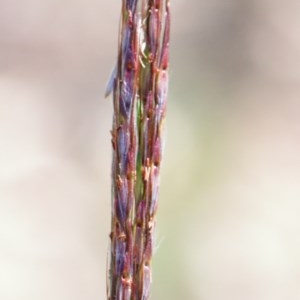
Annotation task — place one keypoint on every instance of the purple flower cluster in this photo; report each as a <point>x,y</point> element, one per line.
<point>140,87</point>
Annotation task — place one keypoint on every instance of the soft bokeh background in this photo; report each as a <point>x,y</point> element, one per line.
<point>228,224</point>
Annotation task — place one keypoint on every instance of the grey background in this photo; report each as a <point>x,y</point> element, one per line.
<point>228,221</point>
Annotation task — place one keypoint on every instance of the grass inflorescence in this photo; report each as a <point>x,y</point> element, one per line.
<point>139,86</point>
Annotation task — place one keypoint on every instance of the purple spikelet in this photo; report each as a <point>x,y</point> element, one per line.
<point>140,87</point>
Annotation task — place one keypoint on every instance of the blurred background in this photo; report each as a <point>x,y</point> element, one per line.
<point>228,221</point>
